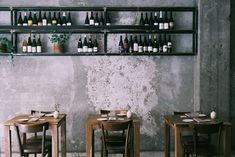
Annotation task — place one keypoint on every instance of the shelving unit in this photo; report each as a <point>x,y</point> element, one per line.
<point>14,30</point>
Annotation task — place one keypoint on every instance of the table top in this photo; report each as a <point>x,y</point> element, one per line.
<point>51,119</point>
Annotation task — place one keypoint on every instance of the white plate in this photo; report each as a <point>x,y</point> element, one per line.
<point>201,115</point>
<point>187,120</point>
<point>33,120</point>
<point>49,115</point>
<point>101,119</point>
<point>121,114</point>
<point>104,115</point>
<point>23,120</point>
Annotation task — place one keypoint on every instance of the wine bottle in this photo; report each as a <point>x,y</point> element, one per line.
<point>150,44</point>
<point>108,21</point>
<point>140,45</point>
<point>160,48</point>
<point>49,20</point>
<point>155,45</point>
<point>95,46</point>
<point>131,46</point>
<point>120,45</point>
<point>141,19</point>
<point>24,46</point>
<point>146,20</point>
<point>97,23</point>
<point>166,22</point>
<point>69,20</point>
<point>19,21</point>
<point>171,21</point>
<point>59,20</point>
<point>92,20</point>
<point>40,19</point>
<point>39,45</point>
<point>35,20</point>
<point>85,46</point>
<point>64,21</point>
<point>145,45</point>
<point>44,19</point>
<point>101,19</point>
<point>90,45</point>
<point>29,45</point>
<point>135,45</point>
<point>34,45</point>
<point>87,20</point>
<point>161,23</point>
<point>169,44</point>
<point>164,45</point>
<point>151,21</point>
<point>30,19</point>
<point>80,47</point>
<point>156,20</point>
<point>54,20</point>
<point>25,22</point>
<point>126,44</point>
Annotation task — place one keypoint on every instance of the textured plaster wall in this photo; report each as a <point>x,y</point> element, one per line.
<point>152,86</point>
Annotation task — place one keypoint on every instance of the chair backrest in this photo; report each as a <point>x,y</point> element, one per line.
<point>31,128</point>
<point>181,113</point>
<point>116,126</point>
<point>208,129</point>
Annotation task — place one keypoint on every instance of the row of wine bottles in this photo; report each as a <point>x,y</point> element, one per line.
<point>32,46</point>
<point>46,20</point>
<point>97,20</point>
<point>155,45</point>
<point>159,22</point>
<point>87,46</point>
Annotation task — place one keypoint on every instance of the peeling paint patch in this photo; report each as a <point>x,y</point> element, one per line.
<point>115,82</point>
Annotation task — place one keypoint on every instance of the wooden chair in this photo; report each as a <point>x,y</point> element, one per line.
<point>115,144</point>
<point>210,147</point>
<point>42,147</point>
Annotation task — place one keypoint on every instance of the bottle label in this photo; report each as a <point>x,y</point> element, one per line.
<point>95,49</point>
<point>140,48</point>
<point>130,49</point>
<point>108,24</point>
<point>44,22</point>
<point>135,47</point>
<point>164,48</point>
<point>150,48</point>
<point>166,26</point>
<point>155,49</point>
<point>80,50</point>
<point>39,23</point>
<point>54,22</point>
<point>25,24</point>
<point>92,22</point>
<point>69,23</point>
<point>85,49</point>
<point>169,44</point>
<point>155,23</point>
<point>64,24</point>
<point>19,24</point>
<point>161,26</point>
<point>24,49</point>
<point>30,22</point>
<point>34,49</point>
<point>120,49</point>
<point>29,48</point>
<point>96,24</point>
<point>39,49</point>
<point>58,24</point>
<point>160,49</point>
<point>145,48</point>
<point>49,24</point>
<point>171,25</point>
<point>90,49</point>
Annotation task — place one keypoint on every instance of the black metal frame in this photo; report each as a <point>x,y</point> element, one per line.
<point>14,30</point>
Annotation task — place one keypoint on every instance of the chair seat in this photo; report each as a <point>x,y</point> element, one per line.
<point>39,138</point>
<point>35,146</point>
<point>115,149</point>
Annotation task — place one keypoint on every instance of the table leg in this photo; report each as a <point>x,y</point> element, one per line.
<point>89,141</point>
<point>227,140</point>
<point>7,141</point>
<point>178,145</point>
<point>55,141</point>
<point>136,139</point>
<point>167,140</point>
<point>63,138</point>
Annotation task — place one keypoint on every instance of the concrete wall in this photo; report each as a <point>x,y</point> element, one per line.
<point>152,86</point>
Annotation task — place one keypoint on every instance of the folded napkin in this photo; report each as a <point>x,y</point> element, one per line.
<point>34,119</point>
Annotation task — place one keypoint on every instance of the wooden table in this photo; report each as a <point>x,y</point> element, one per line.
<point>175,122</point>
<point>54,125</point>
<point>92,124</point>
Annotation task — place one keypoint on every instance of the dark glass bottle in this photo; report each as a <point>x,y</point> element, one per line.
<point>135,45</point>
<point>92,20</point>
<point>140,45</point>
<point>25,21</point>
<point>80,47</point>
<point>95,46</point>
<point>120,45</point>
<point>40,19</point>
<point>69,20</point>
<point>64,20</point>
<point>97,22</point>
<point>101,19</point>
<point>24,46</point>
<point>30,19</point>
<point>164,44</point>
<point>39,45</point>
<point>29,45</point>
<point>141,19</point>
<point>54,19</point>
<point>59,20</point>
<point>49,20</point>
<point>85,45</point>
<point>131,46</point>
<point>156,20</point>
<point>161,22</point>
<point>166,22</point>
<point>44,19</point>
<point>151,21</point>
<point>19,21</point>
<point>171,21</point>
<point>160,46</point>
<point>35,19</point>
<point>155,45</point>
<point>90,45</point>
<point>34,45</point>
<point>87,20</point>
<point>146,20</point>
<point>145,45</point>
<point>126,44</point>
<point>150,44</point>
<point>108,21</point>
<point>169,44</point>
